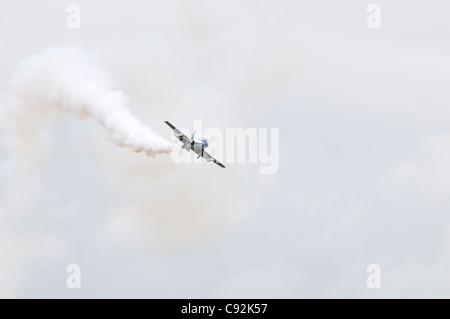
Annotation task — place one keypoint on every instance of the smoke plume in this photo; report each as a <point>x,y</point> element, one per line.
<point>42,88</point>
<point>63,80</point>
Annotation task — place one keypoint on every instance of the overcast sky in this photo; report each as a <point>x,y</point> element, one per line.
<point>364,175</point>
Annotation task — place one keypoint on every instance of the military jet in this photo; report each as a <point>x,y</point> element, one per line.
<point>191,144</point>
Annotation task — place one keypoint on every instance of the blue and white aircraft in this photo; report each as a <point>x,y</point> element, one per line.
<point>190,144</point>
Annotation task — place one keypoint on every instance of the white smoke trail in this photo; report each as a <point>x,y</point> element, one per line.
<point>64,80</point>
<point>57,81</point>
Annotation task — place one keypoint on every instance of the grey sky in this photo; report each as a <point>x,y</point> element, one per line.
<point>364,152</point>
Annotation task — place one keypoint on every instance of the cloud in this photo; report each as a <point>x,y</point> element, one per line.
<point>430,173</point>
<point>16,252</point>
<point>147,227</point>
<point>167,205</point>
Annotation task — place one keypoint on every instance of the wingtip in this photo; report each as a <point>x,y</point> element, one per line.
<point>220,164</point>
<point>170,125</point>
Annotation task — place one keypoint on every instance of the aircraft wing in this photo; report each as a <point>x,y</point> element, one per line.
<point>183,138</point>
<point>209,158</point>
